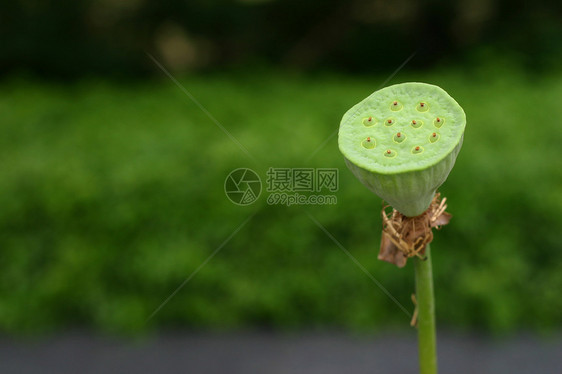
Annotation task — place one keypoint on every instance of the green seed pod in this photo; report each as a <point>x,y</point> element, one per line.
<point>402,142</point>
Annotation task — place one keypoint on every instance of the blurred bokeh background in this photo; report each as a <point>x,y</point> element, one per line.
<point>112,178</point>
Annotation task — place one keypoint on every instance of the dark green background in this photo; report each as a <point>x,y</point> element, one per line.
<point>111,178</point>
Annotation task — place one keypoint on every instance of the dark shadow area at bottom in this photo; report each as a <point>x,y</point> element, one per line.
<point>276,353</point>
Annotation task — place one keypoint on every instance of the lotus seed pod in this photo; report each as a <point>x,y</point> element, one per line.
<point>409,152</point>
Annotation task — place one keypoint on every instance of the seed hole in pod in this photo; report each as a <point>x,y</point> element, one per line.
<point>399,137</point>
<point>389,122</point>
<point>369,143</point>
<point>422,107</point>
<point>438,122</point>
<point>390,153</point>
<point>417,149</point>
<point>369,121</point>
<point>416,123</point>
<point>395,106</point>
<point>434,137</point>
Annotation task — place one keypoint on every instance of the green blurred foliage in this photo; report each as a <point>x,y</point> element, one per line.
<point>112,195</point>
<point>90,37</point>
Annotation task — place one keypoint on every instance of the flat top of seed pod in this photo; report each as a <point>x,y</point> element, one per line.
<point>401,128</point>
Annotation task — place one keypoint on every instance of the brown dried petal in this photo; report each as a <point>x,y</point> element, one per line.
<point>442,220</point>
<point>390,252</point>
<point>404,237</point>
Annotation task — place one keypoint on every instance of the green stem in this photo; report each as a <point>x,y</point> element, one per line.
<point>426,315</point>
